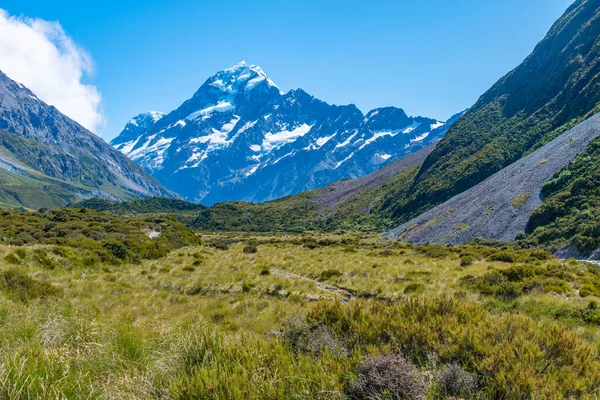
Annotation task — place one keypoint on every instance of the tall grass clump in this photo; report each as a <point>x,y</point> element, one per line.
<point>513,356</point>
<point>207,366</point>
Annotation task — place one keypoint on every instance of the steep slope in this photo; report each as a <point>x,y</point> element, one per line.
<point>555,88</point>
<point>41,143</point>
<point>23,186</point>
<point>500,207</point>
<point>136,127</point>
<point>241,138</point>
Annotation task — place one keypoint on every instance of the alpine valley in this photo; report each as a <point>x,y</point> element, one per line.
<point>460,260</point>
<point>241,138</point>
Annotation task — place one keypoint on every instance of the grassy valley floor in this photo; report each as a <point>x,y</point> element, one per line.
<point>298,316</point>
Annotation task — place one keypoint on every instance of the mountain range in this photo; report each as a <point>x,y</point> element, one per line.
<point>48,160</point>
<point>241,138</point>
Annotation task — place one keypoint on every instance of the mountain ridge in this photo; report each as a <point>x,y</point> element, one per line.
<point>38,138</point>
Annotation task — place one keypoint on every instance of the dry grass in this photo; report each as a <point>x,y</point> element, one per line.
<point>127,331</point>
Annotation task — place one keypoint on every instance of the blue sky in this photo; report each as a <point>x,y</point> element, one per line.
<point>430,57</point>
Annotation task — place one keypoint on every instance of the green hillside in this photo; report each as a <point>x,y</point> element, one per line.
<point>556,87</point>
<point>97,237</point>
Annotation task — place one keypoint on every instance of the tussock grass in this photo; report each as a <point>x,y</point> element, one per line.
<point>205,321</point>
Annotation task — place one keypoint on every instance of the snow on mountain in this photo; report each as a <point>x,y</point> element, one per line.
<point>241,138</point>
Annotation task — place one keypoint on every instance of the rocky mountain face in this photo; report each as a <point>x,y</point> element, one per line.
<point>241,138</point>
<point>40,146</point>
<point>138,126</point>
<point>501,206</point>
<point>554,89</point>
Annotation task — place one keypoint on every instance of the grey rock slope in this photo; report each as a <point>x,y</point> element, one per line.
<point>499,207</point>
<point>61,149</point>
<point>241,138</point>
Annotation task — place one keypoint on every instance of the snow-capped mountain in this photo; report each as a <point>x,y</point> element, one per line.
<point>241,138</point>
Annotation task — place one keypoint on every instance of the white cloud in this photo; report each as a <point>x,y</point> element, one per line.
<point>41,56</point>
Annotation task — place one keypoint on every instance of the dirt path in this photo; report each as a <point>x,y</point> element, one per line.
<point>346,296</point>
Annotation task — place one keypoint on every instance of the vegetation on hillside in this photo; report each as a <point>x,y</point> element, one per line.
<point>154,205</point>
<point>365,210</point>
<point>552,90</point>
<point>94,236</point>
<point>570,213</point>
<point>22,186</point>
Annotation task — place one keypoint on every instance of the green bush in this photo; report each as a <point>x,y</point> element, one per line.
<point>414,288</point>
<point>503,256</point>
<point>12,258</point>
<point>589,290</point>
<point>330,273</point>
<point>96,236</point>
<point>22,288</point>
<point>467,261</point>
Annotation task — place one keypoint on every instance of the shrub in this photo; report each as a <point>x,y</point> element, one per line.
<point>488,343</point>
<point>588,290</point>
<point>41,258</point>
<point>265,271</point>
<point>414,288</point>
<point>467,261</point>
<point>520,236</point>
<point>386,377</point>
<point>12,258</point>
<point>23,288</point>
<point>330,273</point>
<point>504,256</point>
<point>21,253</point>
<point>219,244</point>
<point>541,255</point>
<point>250,249</point>
<point>518,273</point>
<point>455,381</point>
<point>508,290</point>
<point>435,251</point>
<point>312,339</point>
<point>117,249</point>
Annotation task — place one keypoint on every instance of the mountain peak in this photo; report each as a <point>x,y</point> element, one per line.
<point>240,77</point>
<point>241,64</point>
<point>150,116</point>
<point>137,125</point>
